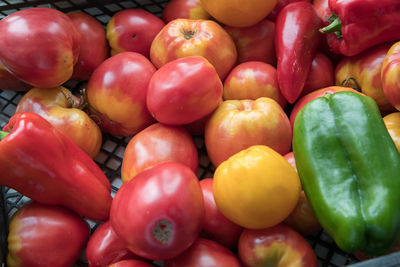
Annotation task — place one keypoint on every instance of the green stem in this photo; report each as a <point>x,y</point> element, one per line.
<point>3,134</point>
<point>335,26</point>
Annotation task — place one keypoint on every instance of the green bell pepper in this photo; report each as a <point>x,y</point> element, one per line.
<point>350,171</point>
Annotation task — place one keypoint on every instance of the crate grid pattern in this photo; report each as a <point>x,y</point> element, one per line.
<point>113,147</point>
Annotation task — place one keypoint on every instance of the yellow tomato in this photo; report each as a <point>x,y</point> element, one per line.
<point>256,188</point>
<point>239,13</point>
<point>392,122</point>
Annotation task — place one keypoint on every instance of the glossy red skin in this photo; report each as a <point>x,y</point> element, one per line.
<point>255,43</point>
<point>133,30</point>
<point>184,9</point>
<point>45,236</point>
<point>185,37</point>
<point>155,144</point>
<point>116,93</point>
<point>322,74</point>
<point>275,246</point>
<point>302,219</point>
<point>205,253</point>
<point>60,107</point>
<point>130,263</point>
<point>296,41</point>
<point>169,199</point>
<point>322,9</point>
<point>10,82</point>
<point>318,93</point>
<point>364,24</point>
<point>238,124</point>
<point>278,7</point>
<point>94,46</point>
<point>35,152</point>
<point>216,226</point>
<point>251,80</point>
<point>324,12</point>
<point>45,39</point>
<point>184,90</point>
<point>105,247</point>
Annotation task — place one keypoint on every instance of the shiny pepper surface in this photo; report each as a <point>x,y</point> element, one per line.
<point>350,171</point>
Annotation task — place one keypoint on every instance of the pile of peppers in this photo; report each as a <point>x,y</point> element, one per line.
<point>346,159</point>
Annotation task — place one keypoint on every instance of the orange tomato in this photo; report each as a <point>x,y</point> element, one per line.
<point>61,108</point>
<point>364,71</point>
<point>185,37</point>
<point>392,122</point>
<point>239,13</point>
<point>238,124</point>
<point>256,188</point>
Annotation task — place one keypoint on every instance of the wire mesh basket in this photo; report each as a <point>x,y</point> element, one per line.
<point>113,147</point>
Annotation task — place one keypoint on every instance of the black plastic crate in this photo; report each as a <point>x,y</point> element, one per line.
<point>113,147</point>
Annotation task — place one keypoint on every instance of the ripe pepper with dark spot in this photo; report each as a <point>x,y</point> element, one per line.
<point>350,171</point>
<point>356,25</point>
<point>45,165</point>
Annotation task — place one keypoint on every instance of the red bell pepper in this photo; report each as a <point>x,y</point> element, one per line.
<point>296,41</point>
<point>356,25</point>
<point>45,165</point>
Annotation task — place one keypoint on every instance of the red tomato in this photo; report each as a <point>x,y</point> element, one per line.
<point>94,47</point>
<point>105,247</point>
<point>185,37</point>
<point>130,263</point>
<point>252,80</point>
<point>39,46</point>
<point>133,30</point>
<point>45,236</point>
<point>302,219</point>
<point>10,82</point>
<point>238,124</point>
<point>300,103</point>
<point>216,226</point>
<point>184,9</point>
<point>205,253</point>
<point>160,213</point>
<point>155,144</point>
<point>255,43</point>
<point>184,90</point>
<point>116,93</point>
<point>321,75</point>
<point>277,246</point>
<point>197,127</point>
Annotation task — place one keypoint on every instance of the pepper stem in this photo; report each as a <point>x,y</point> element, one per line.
<point>3,134</point>
<point>335,26</point>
